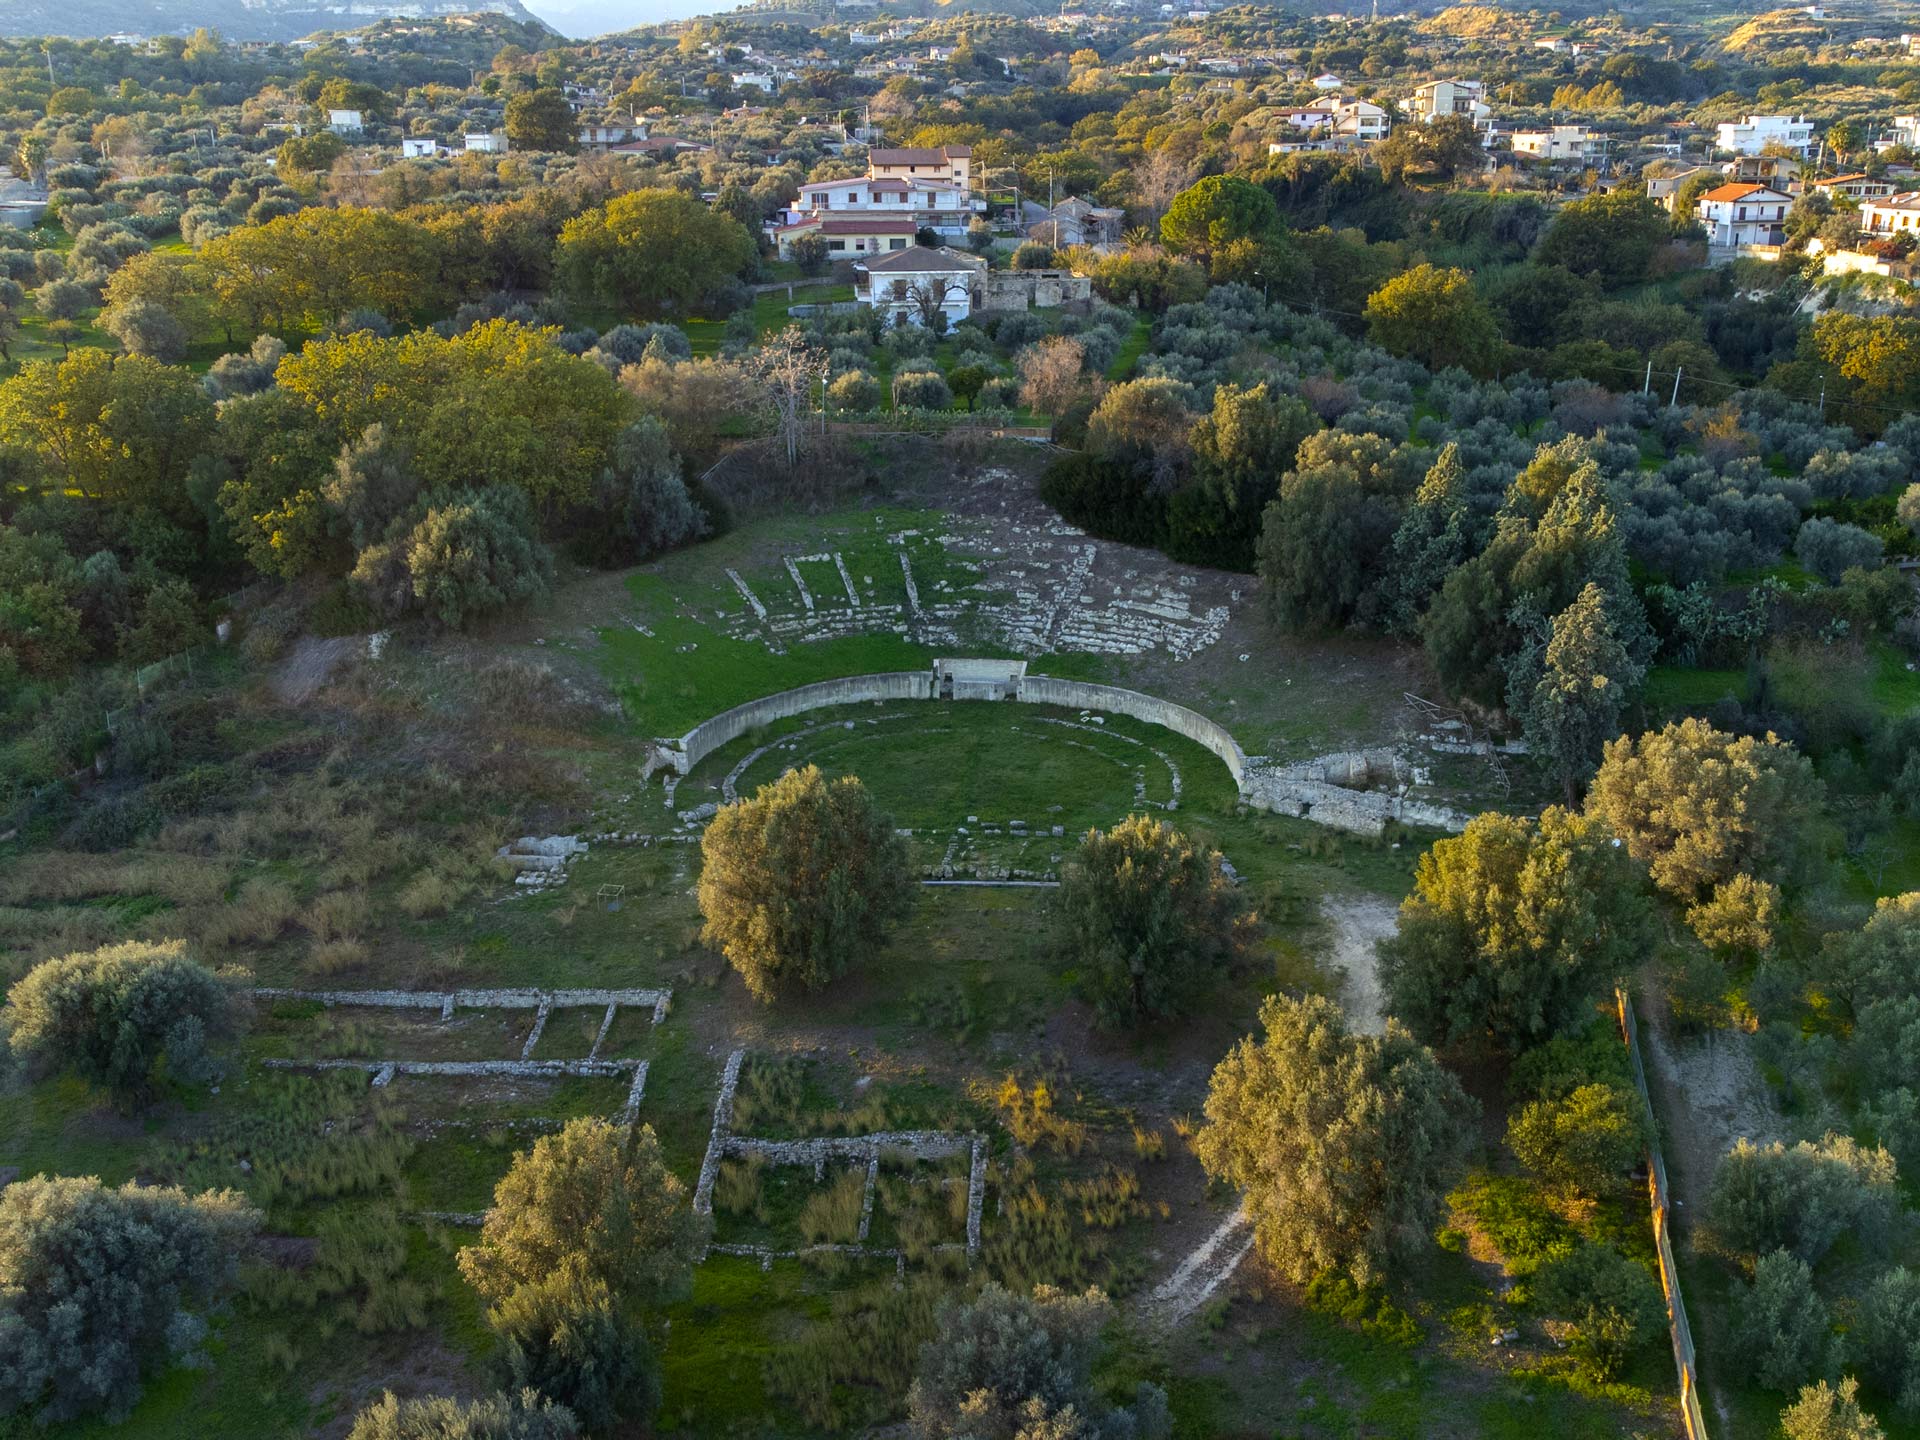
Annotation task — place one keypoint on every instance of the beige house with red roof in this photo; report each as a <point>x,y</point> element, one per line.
<point>953,163</point>
<point>848,236</point>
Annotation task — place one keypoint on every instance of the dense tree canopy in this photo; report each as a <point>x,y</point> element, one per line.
<point>1345,1144</point>
<point>801,881</point>
<point>651,252</point>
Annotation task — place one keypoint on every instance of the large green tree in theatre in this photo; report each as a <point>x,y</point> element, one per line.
<point>801,881</point>
<point>542,120</point>
<point>1149,916</point>
<point>1513,928</point>
<point>1435,316</point>
<point>650,252</point>
<point>1344,1144</point>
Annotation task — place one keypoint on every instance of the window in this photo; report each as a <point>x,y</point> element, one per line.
<point>836,245</point>
<point>896,244</point>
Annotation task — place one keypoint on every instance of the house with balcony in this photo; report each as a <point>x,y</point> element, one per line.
<point>1361,122</point>
<point>938,204</point>
<point>952,163</point>
<point>1740,213</point>
<point>908,285</point>
<point>1563,144</point>
<point>1757,132</point>
<point>847,236</point>
<point>1449,97</point>
<point>1892,215</point>
<point>1856,187</point>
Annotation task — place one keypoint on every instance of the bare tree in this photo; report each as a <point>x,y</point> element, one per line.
<point>1050,374</point>
<point>930,295</point>
<point>787,368</point>
<point>1160,177</point>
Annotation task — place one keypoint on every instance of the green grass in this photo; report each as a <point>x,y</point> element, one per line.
<point>1672,688</point>
<point>713,1366</point>
<point>1131,349</point>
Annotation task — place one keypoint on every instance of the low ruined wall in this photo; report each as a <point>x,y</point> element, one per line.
<point>729,725</point>
<point>1083,695</point>
<point>1360,812</point>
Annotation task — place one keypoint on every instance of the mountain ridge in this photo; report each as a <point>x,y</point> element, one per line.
<point>234,19</point>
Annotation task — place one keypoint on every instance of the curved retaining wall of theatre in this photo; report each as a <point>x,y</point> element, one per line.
<point>729,725</point>
<point>1083,695</point>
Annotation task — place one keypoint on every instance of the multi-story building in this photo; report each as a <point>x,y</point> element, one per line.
<point>1755,133</point>
<point>1891,215</point>
<point>940,204</point>
<point>1361,120</point>
<point>909,285</point>
<point>948,162</point>
<point>1561,143</point>
<point>1739,213</point>
<point>1448,97</point>
<point>1854,187</point>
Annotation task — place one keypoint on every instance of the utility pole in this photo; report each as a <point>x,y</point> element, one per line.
<point>1647,386</point>
<point>1674,403</point>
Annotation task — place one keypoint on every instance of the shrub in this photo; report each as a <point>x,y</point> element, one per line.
<point>97,1286</point>
<point>474,552</point>
<point>525,1416</point>
<point>1824,1413</point>
<point>1610,1303</point>
<point>111,1015</point>
<point>1780,1327</point>
<point>1886,1335</point>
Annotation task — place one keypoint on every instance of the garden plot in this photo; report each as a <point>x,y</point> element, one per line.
<point>884,1194</point>
<point>395,1016</point>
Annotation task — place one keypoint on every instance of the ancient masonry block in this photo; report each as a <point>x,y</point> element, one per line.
<point>806,595</point>
<point>383,1071</point>
<point>722,1118</point>
<point>746,594</point>
<point>853,595</point>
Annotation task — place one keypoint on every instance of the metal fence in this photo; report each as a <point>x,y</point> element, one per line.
<point>1683,1355</point>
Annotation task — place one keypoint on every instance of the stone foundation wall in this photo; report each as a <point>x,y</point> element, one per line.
<point>1359,812</point>
<point>728,725</point>
<point>1083,695</point>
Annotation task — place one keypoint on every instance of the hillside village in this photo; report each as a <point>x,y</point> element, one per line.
<point>970,721</point>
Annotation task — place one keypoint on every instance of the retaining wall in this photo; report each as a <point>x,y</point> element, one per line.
<point>728,725</point>
<point>1361,812</point>
<point>1083,695</point>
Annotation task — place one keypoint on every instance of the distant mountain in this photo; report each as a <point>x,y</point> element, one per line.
<point>580,18</point>
<point>234,19</point>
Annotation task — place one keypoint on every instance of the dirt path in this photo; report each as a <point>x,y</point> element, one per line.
<point>309,665</point>
<point>1713,1094</point>
<point>1199,1277</point>
<point>1357,923</point>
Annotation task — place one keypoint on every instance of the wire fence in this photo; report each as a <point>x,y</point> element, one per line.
<point>1691,1415</point>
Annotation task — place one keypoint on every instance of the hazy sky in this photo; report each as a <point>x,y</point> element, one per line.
<point>577,19</point>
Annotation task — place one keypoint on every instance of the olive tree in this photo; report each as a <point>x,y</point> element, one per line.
<point>1698,806</point>
<point>112,1015</point>
<point>1149,917</point>
<point>1801,1199</point>
<point>595,1203</point>
<point>1780,1326</point>
<point>1345,1144</point>
<point>1582,1142</point>
<point>1886,1334</point>
<point>568,1340</point>
<point>98,1287</point>
<point>1009,1366</point>
<point>474,552</point>
<point>801,881</point>
<point>1825,1413</point>
<point>1513,928</point>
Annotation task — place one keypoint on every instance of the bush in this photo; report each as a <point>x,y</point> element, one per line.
<point>1829,548</point>
<point>111,1015</point>
<point>97,1286</point>
<point>1780,1327</point>
<point>476,551</point>
<point>1610,1303</point>
<point>1824,1413</point>
<point>1886,1335</point>
<point>525,1416</point>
